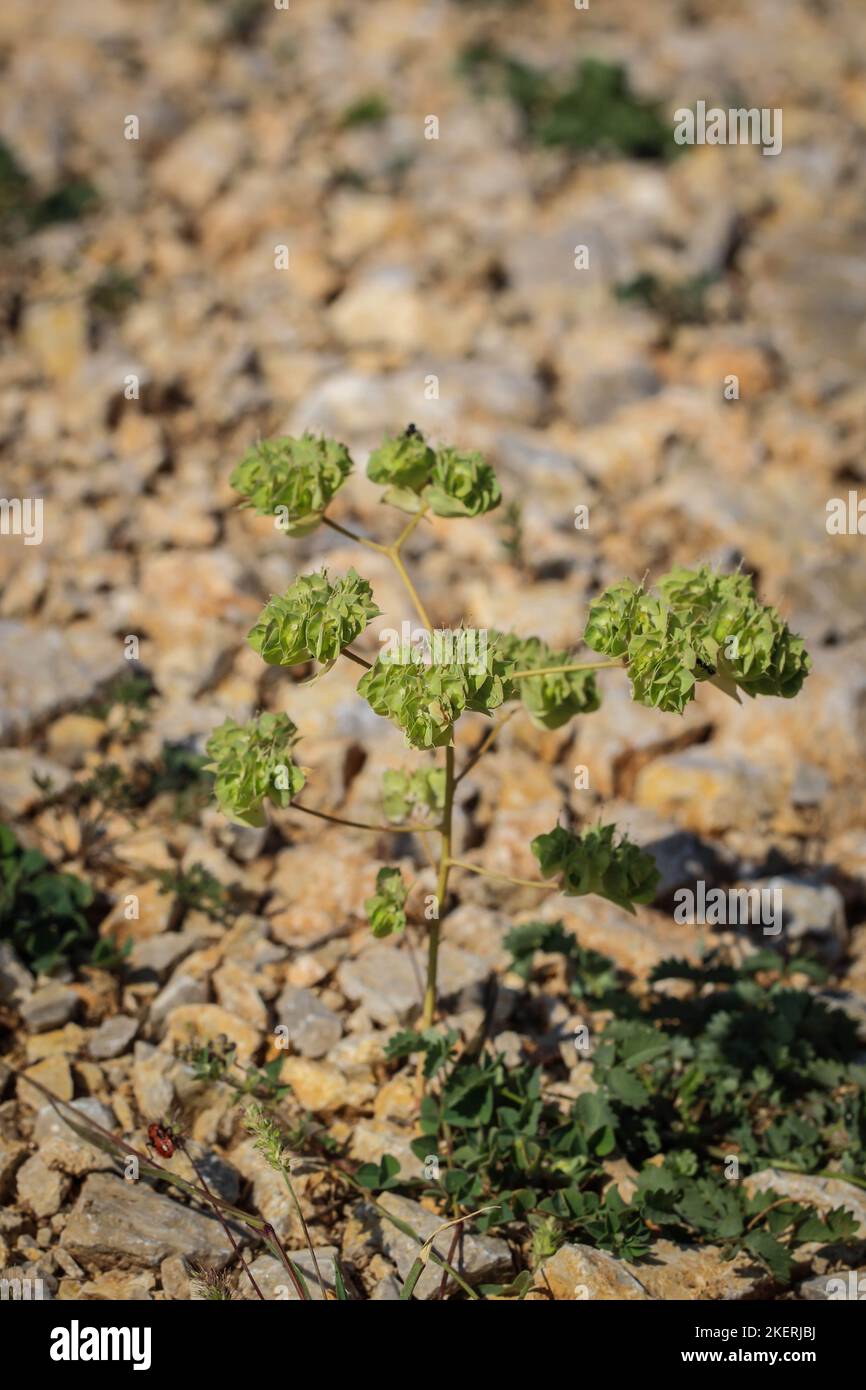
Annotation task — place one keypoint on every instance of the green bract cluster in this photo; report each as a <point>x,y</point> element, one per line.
<point>551,700</point>
<point>404,793</point>
<point>297,477</point>
<point>313,620</point>
<point>705,626</point>
<point>385,909</point>
<point>745,639</point>
<point>424,700</point>
<point>450,482</point>
<point>404,465</point>
<point>593,863</point>
<point>253,762</point>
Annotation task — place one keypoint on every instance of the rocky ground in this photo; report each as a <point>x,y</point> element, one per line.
<point>430,280</point>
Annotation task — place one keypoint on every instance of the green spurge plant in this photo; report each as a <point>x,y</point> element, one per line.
<point>700,626</point>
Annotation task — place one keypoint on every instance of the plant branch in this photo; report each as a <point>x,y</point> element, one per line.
<point>445,862</point>
<point>503,878</point>
<point>408,529</point>
<point>294,1196</point>
<point>354,824</point>
<point>358,660</point>
<point>487,743</point>
<point>353,535</point>
<point>220,1218</point>
<point>394,555</point>
<point>272,1237</point>
<point>557,670</point>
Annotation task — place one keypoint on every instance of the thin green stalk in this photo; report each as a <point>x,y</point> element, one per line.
<point>353,536</point>
<point>822,1173</point>
<point>445,862</point>
<point>354,824</point>
<point>401,569</point>
<point>557,670</point>
<point>268,1141</point>
<point>305,1228</point>
<point>393,554</point>
<point>409,528</point>
<point>220,1218</point>
<point>294,1274</point>
<point>503,878</point>
<point>408,1230</point>
<point>486,743</point>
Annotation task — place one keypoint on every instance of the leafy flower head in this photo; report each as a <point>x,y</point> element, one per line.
<point>462,484</point>
<point>593,862</point>
<point>424,700</point>
<point>404,464</point>
<point>704,627</point>
<point>297,475</point>
<point>313,620</point>
<point>253,763</point>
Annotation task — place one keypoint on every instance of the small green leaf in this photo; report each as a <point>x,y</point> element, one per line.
<point>385,908</point>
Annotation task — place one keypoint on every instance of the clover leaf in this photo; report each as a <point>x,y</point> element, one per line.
<point>253,763</point>
<point>293,479</point>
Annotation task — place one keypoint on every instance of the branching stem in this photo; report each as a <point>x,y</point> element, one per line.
<point>355,824</point>
<point>487,743</point>
<point>445,863</point>
<point>503,878</point>
<point>353,536</point>
<point>358,660</point>
<point>557,670</point>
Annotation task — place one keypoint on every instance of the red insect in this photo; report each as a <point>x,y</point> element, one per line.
<point>162,1138</point>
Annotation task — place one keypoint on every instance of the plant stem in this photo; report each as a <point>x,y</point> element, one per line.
<point>393,553</point>
<point>409,528</point>
<point>394,556</point>
<point>491,737</point>
<point>780,1202</point>
<point>271,1235</point>
<point>358,660</point>
<point>294,1196</point>
<point>820,1173</point>
<point>353,535</point>
<point>220,1218</point>
<point>445,863</point>
<point>455,1240</point>
<point>556,670</point>
<point>355,824</point>
<point>503,878</point>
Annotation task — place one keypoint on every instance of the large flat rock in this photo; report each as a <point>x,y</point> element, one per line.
<point>126,1224</point>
